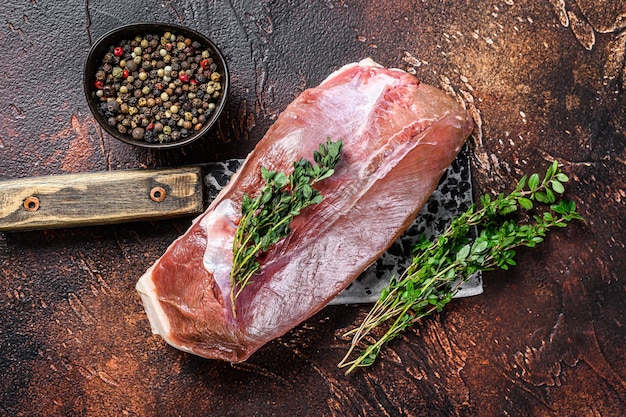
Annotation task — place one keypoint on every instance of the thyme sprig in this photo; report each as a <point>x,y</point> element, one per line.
<point>265,219</point>
<point>440,266</point>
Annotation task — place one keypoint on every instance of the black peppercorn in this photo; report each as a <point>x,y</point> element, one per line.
<point>149,136</point>
<point>131,65</point>
<point>109,58</point>
<point>138,133</point>
<point>109,90</point>
<point>113,106</point>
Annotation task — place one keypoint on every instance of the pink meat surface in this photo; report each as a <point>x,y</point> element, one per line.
<point>399,137</point>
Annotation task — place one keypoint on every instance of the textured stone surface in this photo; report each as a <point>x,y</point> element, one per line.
<point>543,80</point>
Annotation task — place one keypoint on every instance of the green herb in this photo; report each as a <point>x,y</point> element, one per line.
<point>440,266</point>
<point>265,219</point>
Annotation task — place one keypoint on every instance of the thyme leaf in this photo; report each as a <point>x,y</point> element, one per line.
<point>439,267</point>
<point>265,218</point>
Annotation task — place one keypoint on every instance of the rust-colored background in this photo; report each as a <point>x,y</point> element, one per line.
<point>543,79</point>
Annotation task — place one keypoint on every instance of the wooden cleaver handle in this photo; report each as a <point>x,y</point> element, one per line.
<point>99,198</point>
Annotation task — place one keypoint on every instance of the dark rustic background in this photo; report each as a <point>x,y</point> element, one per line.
<point>543,80</point>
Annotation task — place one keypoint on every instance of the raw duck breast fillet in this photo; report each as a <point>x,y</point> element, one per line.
<point>399,137</point>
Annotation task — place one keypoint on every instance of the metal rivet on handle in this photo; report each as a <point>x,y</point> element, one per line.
<point>31,203</point>
<point>158,194</point>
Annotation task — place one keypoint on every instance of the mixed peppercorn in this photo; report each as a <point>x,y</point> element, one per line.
<point>158,89</point>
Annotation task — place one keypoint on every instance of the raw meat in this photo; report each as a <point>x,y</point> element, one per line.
<point>399,136</point>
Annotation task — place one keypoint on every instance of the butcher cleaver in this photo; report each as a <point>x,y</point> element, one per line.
<point>98,198</point>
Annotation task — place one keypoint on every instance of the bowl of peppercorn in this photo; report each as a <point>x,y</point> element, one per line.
<point>155,85</point>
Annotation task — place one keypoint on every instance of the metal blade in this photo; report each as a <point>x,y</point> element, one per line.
<point>452,196</point>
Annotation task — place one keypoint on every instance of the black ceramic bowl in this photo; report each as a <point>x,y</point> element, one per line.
<point>126,33</point>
